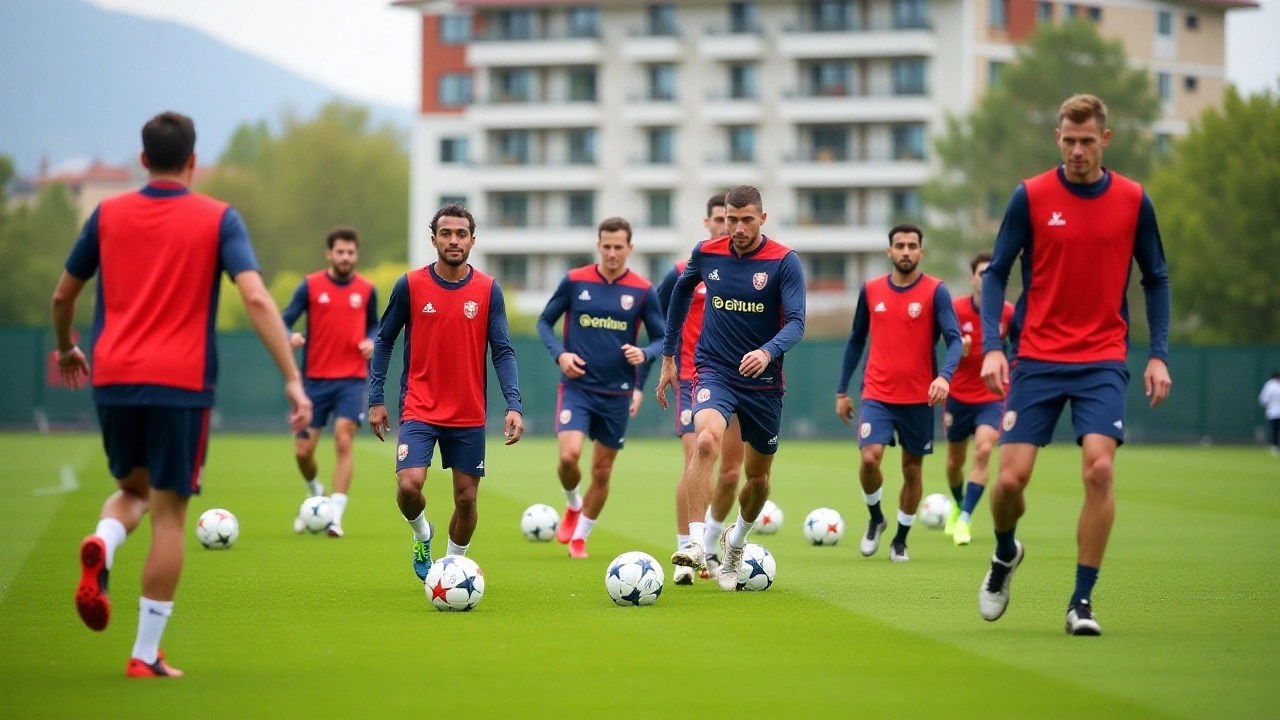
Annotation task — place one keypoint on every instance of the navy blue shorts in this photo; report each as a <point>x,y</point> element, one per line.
<point>759,411</point>
<point>961,419</point>
<point>878,422</point>
<point>684,408</point>
<point>603,417</point>
<point>169,442</point>
<point>341,398</point>
<point>1039,390</point>
<point>460,448</point>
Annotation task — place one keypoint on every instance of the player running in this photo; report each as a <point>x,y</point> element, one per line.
<point>160,252</point>
<point>1078,227</point>
<point>972,410</point>
<point>450,313</point>
<point>342,320</point>
<point>902,314</point>
<point>754,314</point>
<point>603,371</point>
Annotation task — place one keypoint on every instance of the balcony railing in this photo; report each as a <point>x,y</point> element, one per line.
<point>853,25</point>
<point>845,155</point>
<point>849,91</point>
<point>537,98</point>
<point>499,160</point>
<point>537,34</point>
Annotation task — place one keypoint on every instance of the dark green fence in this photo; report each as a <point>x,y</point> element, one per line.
<point>1214,394</point>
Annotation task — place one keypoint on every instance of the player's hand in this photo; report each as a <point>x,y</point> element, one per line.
<point>634,355</point>
<point>844,408</point>
<point>1157,381</point>
<point>513,427</point>
<point>637,399</point>
<point>297,340</point>
<point>378,420</point>
<point>939,389</point>
<point>366,348</point>
<point>299,406</point>
<point>571,365</point>
<point>966,342</point>
<point>73,367</point>
<point>666,379</point>
<point>995,371</point>
<point>754,363</point>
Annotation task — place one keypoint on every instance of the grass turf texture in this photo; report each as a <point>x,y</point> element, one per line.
<point>341,628</point>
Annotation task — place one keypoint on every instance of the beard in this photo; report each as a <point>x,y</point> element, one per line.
<point>342,271</point>
<point>906,267</point>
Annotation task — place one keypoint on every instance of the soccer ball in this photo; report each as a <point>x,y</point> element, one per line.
<point>934,510</point>
<point>539,523</point>
<point>770,520</point>
<point>217,529</point>
<point>316,513</point>
<point>823,526</point>
<point>455,584</point>
<point>634,578</point>
<point>758,568</point>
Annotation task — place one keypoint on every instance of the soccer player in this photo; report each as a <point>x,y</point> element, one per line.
<point>450,313</point>
<point>1078,227</point>
<point>720,500</point>
<point>971,410</point>
<point>603,371</point>
<point>342,320</point>
<point>1269,399</point>
<point>160,252</point>
<point>902,314</point>
<point>753,314</point>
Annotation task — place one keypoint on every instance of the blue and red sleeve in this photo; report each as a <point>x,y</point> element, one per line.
<point>1014,237</point>
<point>235,252</point>
<point>1148,251</point>
<point>947,324</point>
<point>501,354</point>
<point>551,314</point>
<point>371,315</point>
<point>791,286</point>
<point>856,344</point>
<point>82,263</point>
<point>298,305</point>
<point>394,318</point>
<point>655,326</point>
<point>679,302</point>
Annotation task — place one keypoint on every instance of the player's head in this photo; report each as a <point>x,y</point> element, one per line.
<point>1082,134</point>
<point>714,221</point>
<point>743,215</point>
<point>613,241</point>
<point>453,232</point>
<point>906,247</point>
<point>169,146</point>
<point>342,249</point>
<point>978,266</point>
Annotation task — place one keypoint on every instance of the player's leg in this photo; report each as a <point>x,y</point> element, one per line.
<point>572,423</point>
<point>602,459</point>
<point>875,431</point>
<point>710,421</point>
<point>304,452</point>
<point>957,426</point>
<point>732,451</point>
<point>1275,436</point>
<point>985,437</point>
<point>683,575</point>
<point>415,447</point>
<point>760,419</point>
<point>915,425</point>
<point>462,526</point>
<point>344,438</point>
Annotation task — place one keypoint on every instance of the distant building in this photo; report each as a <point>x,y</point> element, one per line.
<point>89,182</point>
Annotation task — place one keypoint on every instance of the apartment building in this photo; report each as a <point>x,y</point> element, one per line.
<point>544,117</point>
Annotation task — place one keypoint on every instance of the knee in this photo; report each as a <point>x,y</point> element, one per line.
<point>1013,479</point>
<point>912,474</point>
<point>343,444</point>
<point>982,452</point>
<point>302,453</point>
<point>601,470</point>
<point>1098,473</point>
<point>569,457</point>
<point>871,457</point>
<point>408,487</point>
<point>708,445</point>
<point>465,502</point>
<point>730,474</point>
<point>758,483</point>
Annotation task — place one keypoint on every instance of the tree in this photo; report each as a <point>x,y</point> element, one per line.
<point>1217,205</point>
<point>34,241</point>
<point>1009,136</point>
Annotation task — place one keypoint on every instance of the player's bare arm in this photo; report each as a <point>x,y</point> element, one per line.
<point>73,367</point>
<point>1157,381</point>
<point>297,340</point>
<point>637,399</point>
<point>844,408</point>
<point>270,327</point>
<point>634,355</point>
<point>378,421</point>
<point>754,363</point>
<point>571,364</point>
<point>666,379</point>
<point>938,391</point>
<point>513,427</point>
<point>366,348</point>
<point>995,371</point>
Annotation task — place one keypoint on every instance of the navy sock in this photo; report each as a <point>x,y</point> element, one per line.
<point>1006,551</point>
<point>901,535</point>
<point>1085,578</point>
<point>876,516</point>
<point>957,492</point>
<point>972,494</point>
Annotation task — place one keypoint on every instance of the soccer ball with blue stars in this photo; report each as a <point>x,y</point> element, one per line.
<point>539,523</point>
<point>634,578</point>
<point>217,529</point>
<point>316,513</point>
<point>454,584</point>
<point>824,526</point>
<point>758,568</point>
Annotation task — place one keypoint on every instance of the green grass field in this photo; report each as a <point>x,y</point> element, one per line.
<point>300,626</point>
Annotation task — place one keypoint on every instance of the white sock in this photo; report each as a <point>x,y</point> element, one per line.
<point>906,520</point>
<point>421,528</point>
<point>572,499</point>
<point>738,538</point>
<point>339,501</point>
<point>113,535</point>
<point>711,535</point>
<point>456,549</point>
<point>153,615</point>
<point>874,497</point>
<point>964,517</point>
<point>314,487</point>
<point>681,541</point>
<point>697,531</point>
<point>583,530</point>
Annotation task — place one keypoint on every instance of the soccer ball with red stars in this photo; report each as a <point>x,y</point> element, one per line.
<point>454,584</point>
<point>824,526</point>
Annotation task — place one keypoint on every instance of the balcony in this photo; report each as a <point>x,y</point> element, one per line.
<point>825,169</point>
<point>846,106</point>
<point>648,109</point>
<point>504,112</point>
<point>644,173</point>
<point>722,170</point>
<point>534,49</point>
<point>719,43</point>
<point>805,235</point>
<point>531,176</point>
<point>723,109</point>
<point>643,46</point>
<point>907,39</point>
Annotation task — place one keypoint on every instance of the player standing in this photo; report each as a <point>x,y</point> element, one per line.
<point>603,371</point>
<point>972,410</point>
<point>902,314</point>
<point>450,313</point>
<point>342,320</point>
<point>160,252</point>
<point>1078,227</point>
<point>754,313</point>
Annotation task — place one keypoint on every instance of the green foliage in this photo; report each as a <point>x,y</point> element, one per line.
<point>1217,203</point>
<point>34,241</point>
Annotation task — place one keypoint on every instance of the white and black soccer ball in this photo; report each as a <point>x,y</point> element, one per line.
<point>217,529</point>
<point>758,568</point>
<point>454,584</point>
<point>823,526</point>
<point>770,520</point>
<point>316,513</point>
<point>539,523</point>
<point>634,578</point>
<point>934,510</point>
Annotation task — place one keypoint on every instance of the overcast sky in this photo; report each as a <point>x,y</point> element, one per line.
<point>369,50</point>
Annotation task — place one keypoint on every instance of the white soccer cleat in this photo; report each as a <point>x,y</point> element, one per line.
<point>683,575</point>
<point>335,531</point>
<point>713,567</point>
<point>691,556</point>
<point>898,552</point>
<point>1080,620</point>
<point>299,526</point>
<point>993,596</point>
<point>871,540</point>
<point>728,576</point>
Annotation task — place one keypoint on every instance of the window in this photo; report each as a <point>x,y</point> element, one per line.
<point>515,24</point>
<point>831,15</point>
<point>455,29</point>
<point>1163,143</point>
<point>583,21</point>
<point>908,77</point>
<point>1072,10</point>
<point>662,82</point>
<point>907,204</point>
<point>453,200</point>
<point>1095,13</point>
<point>742,144</point>
<point>1193,22</point>
<point>576,260</point>
<point>827,207</point>
<point>511,271</point>
<point>744,17</point>
<point>998,14</point>
<point>1189,83</point>
<point>742,81</point>
<point>994,70</point>
<point>1044,12</point>
<point>515,85</point>
<point>660,214</point>
<point>582,84</point>
<point>454,89</point>
<point>825,271</point>
<point>513,210</point>
<point>662,19</point>
<point>830,79</point>
<point>662,145</point>
<point>1164,23</point>
<point>1164,86</point>
<point>582,146</point>
<point>830,143</point>
<point>910,14</point>
<point>513,147</point>
<point>908,142</point>
<point>582,209</point>
<point>453,150</point>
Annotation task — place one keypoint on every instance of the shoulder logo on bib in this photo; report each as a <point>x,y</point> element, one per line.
<point>865,430</point>
<point>1010,419</point>
<point>628,302</point>
<point>402,452</point>
<point>565,416</point>
<point>914,309</point>
<point>470,308</point>
<point>704,395</point>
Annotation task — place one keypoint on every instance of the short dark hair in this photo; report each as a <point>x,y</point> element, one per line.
<point>342,232</point>
<point>614,224</point>
<point>168,141</point>
<point>453,210</point>
<point>1275,374</point>
<point>742,196</point>
<point>716,201</point>
<point>982,257</point>
<point>906,228</point>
